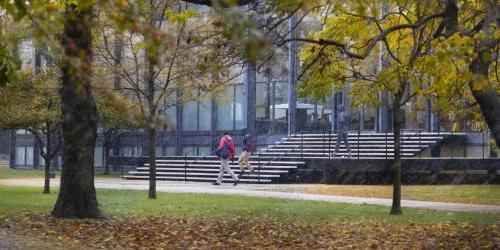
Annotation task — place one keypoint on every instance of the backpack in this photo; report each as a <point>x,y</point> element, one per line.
<point>224,152</point>
<point>251,144</point>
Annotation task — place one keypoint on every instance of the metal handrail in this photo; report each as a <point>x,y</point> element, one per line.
<point>213,151</point>
<point>281,155</point>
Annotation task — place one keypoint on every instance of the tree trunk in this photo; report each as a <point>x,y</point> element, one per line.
<point>46,186</point>
<point>489,103</point>
<point>107,146</point>
<point>152,162</point>
<point>488,99</point>
<point>77,196</point>
<point>12,149</point>
<point>396,167</point>
<point>48,151</point>
<point>106,160</point>
<point>151,57</point>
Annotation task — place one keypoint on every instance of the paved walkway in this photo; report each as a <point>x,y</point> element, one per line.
<point>262,191</point>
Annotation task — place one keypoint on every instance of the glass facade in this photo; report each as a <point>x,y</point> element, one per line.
<point>98,156</point>
<point>205,114</point>
<point>24,156</point>
<point>190,116</point>
<point>232,108</point>
<point>197,115</point>
<point>170,113</point>
<point>225,110</point>
<point>240,102</point>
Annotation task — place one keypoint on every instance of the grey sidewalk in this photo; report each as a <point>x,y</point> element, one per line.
<point>260,191</point>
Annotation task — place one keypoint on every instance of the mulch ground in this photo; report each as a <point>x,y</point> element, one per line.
<point>175,233</point>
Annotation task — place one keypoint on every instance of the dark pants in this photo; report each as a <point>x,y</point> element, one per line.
<point>342,135</point>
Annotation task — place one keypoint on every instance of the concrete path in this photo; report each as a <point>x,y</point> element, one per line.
<point>262,191</point>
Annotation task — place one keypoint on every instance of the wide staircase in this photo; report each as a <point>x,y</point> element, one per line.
<point>206,169</point>
<point>282,161</point>
<point>363,145</point>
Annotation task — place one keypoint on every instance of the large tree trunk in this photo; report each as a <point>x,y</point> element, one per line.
<point>77,197</point>
<point>396,167</point>
<point>488,99</point>
<point>489,103</point>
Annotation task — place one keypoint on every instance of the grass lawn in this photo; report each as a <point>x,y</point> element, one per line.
<point>9,173</point>
<point>135,203</point>
<point>470,194</point>
<point>198,221</point>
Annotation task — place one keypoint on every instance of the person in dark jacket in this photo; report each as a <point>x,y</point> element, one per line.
<point>248,149</point>
<point>344,124</point>
<point>225,151</point>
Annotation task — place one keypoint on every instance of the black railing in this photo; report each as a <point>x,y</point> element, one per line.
<point>468,144</point>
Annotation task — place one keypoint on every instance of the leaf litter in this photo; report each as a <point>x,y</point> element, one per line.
<point>157,232</point>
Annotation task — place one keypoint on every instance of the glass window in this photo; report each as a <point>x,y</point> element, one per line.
<point>29,156</point>
<point>189,151</point>
<point>225,109</point>
<point>204,151</point>
<point>262,102</point>
<point>170,113</point>
<point>281,92</point>
<point>98,156</point>
<point>20,156</point>
<point>138,150</point>
<point>205,115</point>
<point>171,151</point>
<point>240,102</point>
<point>189,116</point>
<point>127,151</point>
<point>370,113</point>
<point>159,151</point>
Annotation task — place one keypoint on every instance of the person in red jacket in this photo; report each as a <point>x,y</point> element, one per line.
<point>225,152</point>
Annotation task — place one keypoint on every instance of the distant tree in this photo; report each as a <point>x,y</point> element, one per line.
<point>162,57</point>
<point>116,116</point>
<point>411,34</point>
<point>33,104</point>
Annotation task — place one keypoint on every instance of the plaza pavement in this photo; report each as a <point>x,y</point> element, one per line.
<point>263,191</point>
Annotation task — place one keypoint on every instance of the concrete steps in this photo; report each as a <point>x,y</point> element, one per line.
<point>206,169</point>
<point>280,161</point>
<point>363,145</point>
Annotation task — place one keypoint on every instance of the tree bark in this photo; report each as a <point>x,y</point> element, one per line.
<point>106,160</point>
<point>152,162</point>
<point>151,57</point>
<point>46,187</point>
<point>396,167</point>
<point>77,197</point>
<point>12,149</point>
<point>107,146</point>
<point>488,98</point>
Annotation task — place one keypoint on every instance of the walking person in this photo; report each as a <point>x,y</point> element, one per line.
<point>225,152</point>
<point>248,149</point>
<point>344,124</point>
